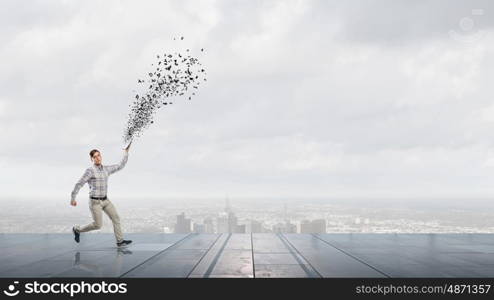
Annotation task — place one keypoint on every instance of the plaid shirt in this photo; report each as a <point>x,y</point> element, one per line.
<point>97,178</point>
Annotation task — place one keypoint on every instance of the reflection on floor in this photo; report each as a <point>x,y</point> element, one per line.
<point>248,255</point>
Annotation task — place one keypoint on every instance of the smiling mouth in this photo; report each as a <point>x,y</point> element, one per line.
<point>11,294</point>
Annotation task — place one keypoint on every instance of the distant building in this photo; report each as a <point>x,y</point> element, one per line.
<point>285,215</point>
<point>222,223</point>
<point>255,226</point>
<point>278,227</point>
<point>240,229</point>
<point>228,207</point>
<point>314,226</point>
<point>227,221</point>
<point>290,228</point>
<point>232,222</point>
<point>199,228</point>
<point>208,225</point>
<point>184,225</point>
<point>305,226</point>
<point>318,226</point>
<point>286,227</point>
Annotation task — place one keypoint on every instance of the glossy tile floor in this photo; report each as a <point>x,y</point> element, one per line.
<point>248,255</point>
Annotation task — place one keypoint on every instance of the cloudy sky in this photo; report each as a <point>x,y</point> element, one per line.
<point>304,98</point>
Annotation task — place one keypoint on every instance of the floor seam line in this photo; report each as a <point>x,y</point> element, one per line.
<point>287,243</point>
<point>252,248</point>
<point>352,256</point>
<point>160,252</point>
<point>216,257</point>
<point>200,259</point>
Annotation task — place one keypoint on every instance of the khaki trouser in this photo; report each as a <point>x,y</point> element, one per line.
<point>96,206</point>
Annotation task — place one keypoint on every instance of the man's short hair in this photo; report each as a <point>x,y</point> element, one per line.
<point>92,152</point>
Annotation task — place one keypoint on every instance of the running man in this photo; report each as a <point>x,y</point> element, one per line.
<point>97,178</point>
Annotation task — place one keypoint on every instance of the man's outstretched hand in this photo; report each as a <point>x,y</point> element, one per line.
<point>73,202</point>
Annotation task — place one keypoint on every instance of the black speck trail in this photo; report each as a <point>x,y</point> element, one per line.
<point>175,74</point>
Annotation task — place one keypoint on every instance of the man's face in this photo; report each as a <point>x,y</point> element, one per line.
<point>97,158</point>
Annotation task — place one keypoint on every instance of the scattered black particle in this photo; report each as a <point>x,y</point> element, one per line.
<point>174,76</point>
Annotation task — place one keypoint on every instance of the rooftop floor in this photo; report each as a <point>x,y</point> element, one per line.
<point>248,255</point>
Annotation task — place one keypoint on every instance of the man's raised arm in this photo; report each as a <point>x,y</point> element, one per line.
<point>114,168</point>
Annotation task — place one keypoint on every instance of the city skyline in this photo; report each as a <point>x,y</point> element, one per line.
<point>266,216</point>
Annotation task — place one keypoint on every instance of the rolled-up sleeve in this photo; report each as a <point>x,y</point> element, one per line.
<point>114,168</point>
<point>85,178</point>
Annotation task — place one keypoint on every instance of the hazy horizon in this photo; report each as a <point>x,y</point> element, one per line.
<point>469,203</point>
